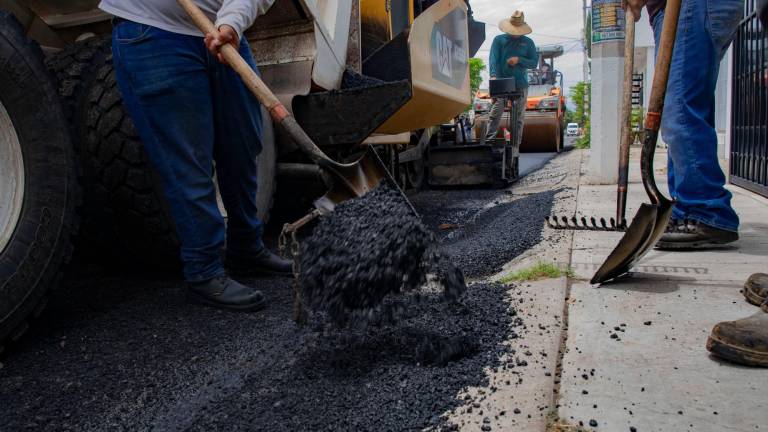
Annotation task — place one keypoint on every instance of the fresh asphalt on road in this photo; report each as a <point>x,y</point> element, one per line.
<point>530,162</point>
<point>127,352</point>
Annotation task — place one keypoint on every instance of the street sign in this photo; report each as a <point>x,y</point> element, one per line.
<point>607,21</point>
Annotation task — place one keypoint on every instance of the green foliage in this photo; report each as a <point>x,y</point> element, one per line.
<point>542,270</point>
<point>583,141</point>
<point>579,94</point>
<point>638,117</point>
<point>476,67</point>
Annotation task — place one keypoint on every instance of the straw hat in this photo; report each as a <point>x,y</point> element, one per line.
<point>515,25</point>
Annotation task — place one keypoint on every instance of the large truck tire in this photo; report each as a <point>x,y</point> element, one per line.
<point>74,67</point>
<point>126,185</point>
<point>120,180</point>
<point>38,184</point>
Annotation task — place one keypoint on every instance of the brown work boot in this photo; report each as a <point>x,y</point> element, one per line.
<point>756,289</point>
<point>744,341</point>
<point>694,235</point>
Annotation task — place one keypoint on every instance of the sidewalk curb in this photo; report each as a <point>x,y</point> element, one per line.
<point>528,395</point>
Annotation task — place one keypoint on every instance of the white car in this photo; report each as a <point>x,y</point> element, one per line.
<point>572,129</point>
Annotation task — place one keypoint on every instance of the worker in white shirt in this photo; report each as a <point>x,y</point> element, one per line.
<point>191,109</point>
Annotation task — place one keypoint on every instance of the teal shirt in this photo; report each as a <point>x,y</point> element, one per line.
<point>505,46</point>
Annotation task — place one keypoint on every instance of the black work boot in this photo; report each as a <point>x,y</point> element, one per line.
<point>263,262</point>
<point>694,235</point>
<point>756,289</point>
<point>744,341</point>
<point>225,293</point>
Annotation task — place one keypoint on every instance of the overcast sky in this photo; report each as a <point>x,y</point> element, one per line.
<point>552,21</point>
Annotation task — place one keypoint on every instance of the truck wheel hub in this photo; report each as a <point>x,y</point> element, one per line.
<point>11,178</point>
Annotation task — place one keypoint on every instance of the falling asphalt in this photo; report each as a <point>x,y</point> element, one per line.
<point>126,352</point>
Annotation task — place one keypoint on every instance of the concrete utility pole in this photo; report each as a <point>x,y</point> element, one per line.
<point>607,70</point>
<point>585,41</point>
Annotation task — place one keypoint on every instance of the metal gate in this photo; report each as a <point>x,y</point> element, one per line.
<point>749,137</point>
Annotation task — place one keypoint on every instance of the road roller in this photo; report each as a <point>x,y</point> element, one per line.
<point>544,125</point>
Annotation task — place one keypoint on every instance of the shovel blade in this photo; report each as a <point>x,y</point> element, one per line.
<point>646,229</point>
<point>354,180</point>
<point>632,246</point>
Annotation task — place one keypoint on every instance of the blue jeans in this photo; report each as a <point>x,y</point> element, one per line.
<point>190,110</point>
<point>696,181</point>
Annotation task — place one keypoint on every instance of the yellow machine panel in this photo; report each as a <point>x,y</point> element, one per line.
<point>438,47</point>
<point>382,20</point>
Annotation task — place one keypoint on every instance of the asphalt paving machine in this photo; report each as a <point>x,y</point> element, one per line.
<point>462,156</point>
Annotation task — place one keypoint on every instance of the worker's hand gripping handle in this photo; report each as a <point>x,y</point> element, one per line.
<point>277,111</point>
<point>236,61</point>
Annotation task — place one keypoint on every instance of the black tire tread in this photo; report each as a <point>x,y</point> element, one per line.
<point>74,67</point>
<point>121,179</point>
<point>26,61</point>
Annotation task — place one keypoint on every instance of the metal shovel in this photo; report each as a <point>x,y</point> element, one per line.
<point>651,220</point>
<point>344,181</point>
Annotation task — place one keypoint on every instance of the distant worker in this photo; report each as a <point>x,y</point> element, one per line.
<point>189,110</point>
<point>512,54</point>
<point>696,181</point>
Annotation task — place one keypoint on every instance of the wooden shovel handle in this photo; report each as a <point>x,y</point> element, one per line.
<point>663,62</point>
<point>656,103</point>
<point>253,82</point>
<point>236,61</point>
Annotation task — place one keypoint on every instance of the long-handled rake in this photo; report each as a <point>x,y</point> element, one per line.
<point>618,223</point>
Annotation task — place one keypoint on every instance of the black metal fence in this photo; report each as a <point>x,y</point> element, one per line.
<point>749,137</point>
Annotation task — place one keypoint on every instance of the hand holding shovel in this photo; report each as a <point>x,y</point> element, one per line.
<point>346,181</point>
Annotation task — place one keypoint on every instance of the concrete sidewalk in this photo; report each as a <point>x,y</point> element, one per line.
<point>635,356</point>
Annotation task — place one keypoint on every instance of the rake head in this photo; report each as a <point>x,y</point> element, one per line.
<point>583,224</point>
<point>592,224</point>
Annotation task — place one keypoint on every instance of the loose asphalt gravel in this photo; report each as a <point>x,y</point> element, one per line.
<point>367,249</point>
<point>126,352</point>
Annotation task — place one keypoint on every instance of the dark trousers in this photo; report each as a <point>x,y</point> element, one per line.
<point>190,111</point>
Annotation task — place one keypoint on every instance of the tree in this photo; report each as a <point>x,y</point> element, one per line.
<point>580,97</point>
<point>476,67</point>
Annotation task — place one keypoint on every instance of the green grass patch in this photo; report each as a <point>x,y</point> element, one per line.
<point>539,271</point>
<point>582,143</point>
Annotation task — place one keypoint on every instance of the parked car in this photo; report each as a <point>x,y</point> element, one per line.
<point>481,105</point>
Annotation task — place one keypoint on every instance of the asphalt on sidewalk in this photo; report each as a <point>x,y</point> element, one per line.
<point>635,356</point>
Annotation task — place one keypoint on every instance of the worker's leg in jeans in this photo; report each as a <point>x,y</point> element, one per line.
<point>494,118</point>
<point>166,89</point>
<point>520,104</point>
<point>237,115</point>
<point>696,179</point>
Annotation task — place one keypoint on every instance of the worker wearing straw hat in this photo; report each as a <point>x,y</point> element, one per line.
<point>512,54</point>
